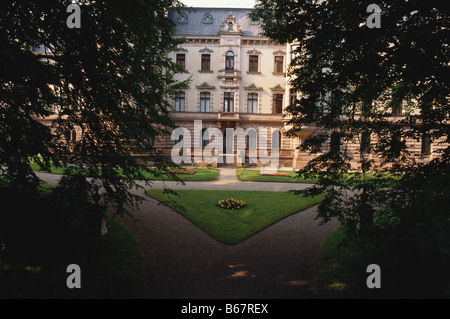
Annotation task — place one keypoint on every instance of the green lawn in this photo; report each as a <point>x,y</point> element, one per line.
<point>42,237</point>
<point>254,176</point>
<point>202,174</point>
<point>262,209</point>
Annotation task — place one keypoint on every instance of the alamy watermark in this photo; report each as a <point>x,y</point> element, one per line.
<point>374,20</point>
<point>234,145</point>
<point>73,20</point>
<point>374,280</point>
<point>74,279</point>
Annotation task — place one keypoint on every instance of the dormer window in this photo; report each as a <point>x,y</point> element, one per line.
<point>230,26</point>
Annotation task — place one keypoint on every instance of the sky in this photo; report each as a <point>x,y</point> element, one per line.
<point>220,3</point>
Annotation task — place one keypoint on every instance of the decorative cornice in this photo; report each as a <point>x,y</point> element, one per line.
<point>182,50</point>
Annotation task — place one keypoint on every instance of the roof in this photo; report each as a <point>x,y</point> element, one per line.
<point>208,21</point>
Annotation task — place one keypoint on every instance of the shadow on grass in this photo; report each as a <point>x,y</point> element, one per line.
<point>40,237</point>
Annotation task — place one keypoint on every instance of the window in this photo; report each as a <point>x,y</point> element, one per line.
<point>205,98</point>
<point>279,64</point>
<point>396,144</point>
<point>228,102</point>
<point>150,141</point>
<point>276,139</point>
<point>397,108</point>
<point>252,103</point>
<point>253,63</point>
<point>426,144</point>
<point>204,138</point>
<point>74,136</point>
<point>230,26</point>
<point>293,53</point>
<point>181,60</point>
<point>292,96</point>
<point>206,62</point>
<point>335,143</point>
<point>365,142</point>
<point>251,139</point>
<point>229,61</point>
<point>180,143</point>
<point>180,102</point>
<point>278,103</point>
<point>71,136</point>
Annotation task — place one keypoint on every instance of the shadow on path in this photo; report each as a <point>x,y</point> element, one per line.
<point>184,262</point>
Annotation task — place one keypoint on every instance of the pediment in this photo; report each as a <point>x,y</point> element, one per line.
<point>205,86</point>
<point>253,86</point>
<point>278,88</point>
<point>206,50</point>
<point>279,52</point>
<point>254,52</point>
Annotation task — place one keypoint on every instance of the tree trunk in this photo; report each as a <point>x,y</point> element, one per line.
<point>96,222</point>
<point>365,215</point>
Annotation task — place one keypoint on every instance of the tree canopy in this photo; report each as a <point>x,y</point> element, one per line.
<point>353,81</point>
<point>109,79</point>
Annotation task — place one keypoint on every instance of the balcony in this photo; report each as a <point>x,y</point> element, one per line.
<point>230,116</point>
<point>229,74</point>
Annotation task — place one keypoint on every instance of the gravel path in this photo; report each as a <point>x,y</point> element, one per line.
<point>183,262</point>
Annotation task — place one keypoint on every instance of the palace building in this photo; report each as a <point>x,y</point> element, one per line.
<point>238,80</point>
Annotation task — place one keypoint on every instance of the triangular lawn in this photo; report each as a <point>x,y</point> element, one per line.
<point>262,209</point>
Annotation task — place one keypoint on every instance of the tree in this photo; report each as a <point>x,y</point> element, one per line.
<point>109,79</point>
<point>352,79</point>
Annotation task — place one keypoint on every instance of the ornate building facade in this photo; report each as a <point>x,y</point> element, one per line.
<point>238,80</point>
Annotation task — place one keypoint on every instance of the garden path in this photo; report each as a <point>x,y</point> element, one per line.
<point>183,262</point>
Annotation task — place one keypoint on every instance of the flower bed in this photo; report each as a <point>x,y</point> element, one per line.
<point>275,174</point>
<point>185,172</point>
<point>231,203</point>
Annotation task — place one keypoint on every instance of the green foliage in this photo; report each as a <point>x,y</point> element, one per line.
<point>352,79</point>
<point>110,79</point>
<point>40,235</point>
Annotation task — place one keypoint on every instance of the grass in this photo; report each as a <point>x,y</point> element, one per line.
<point>342,271</point>
<point>40,237</point>
<point>335,275</point>
<point>254,176</point>
<point>261,210</point>
<point>202,174</point>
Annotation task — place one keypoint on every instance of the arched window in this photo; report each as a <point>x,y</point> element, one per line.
<point>204,137</point>
<point>230,26</point>
<point>251,139</point>
<point>276,140</point>
<point>229,61</point>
